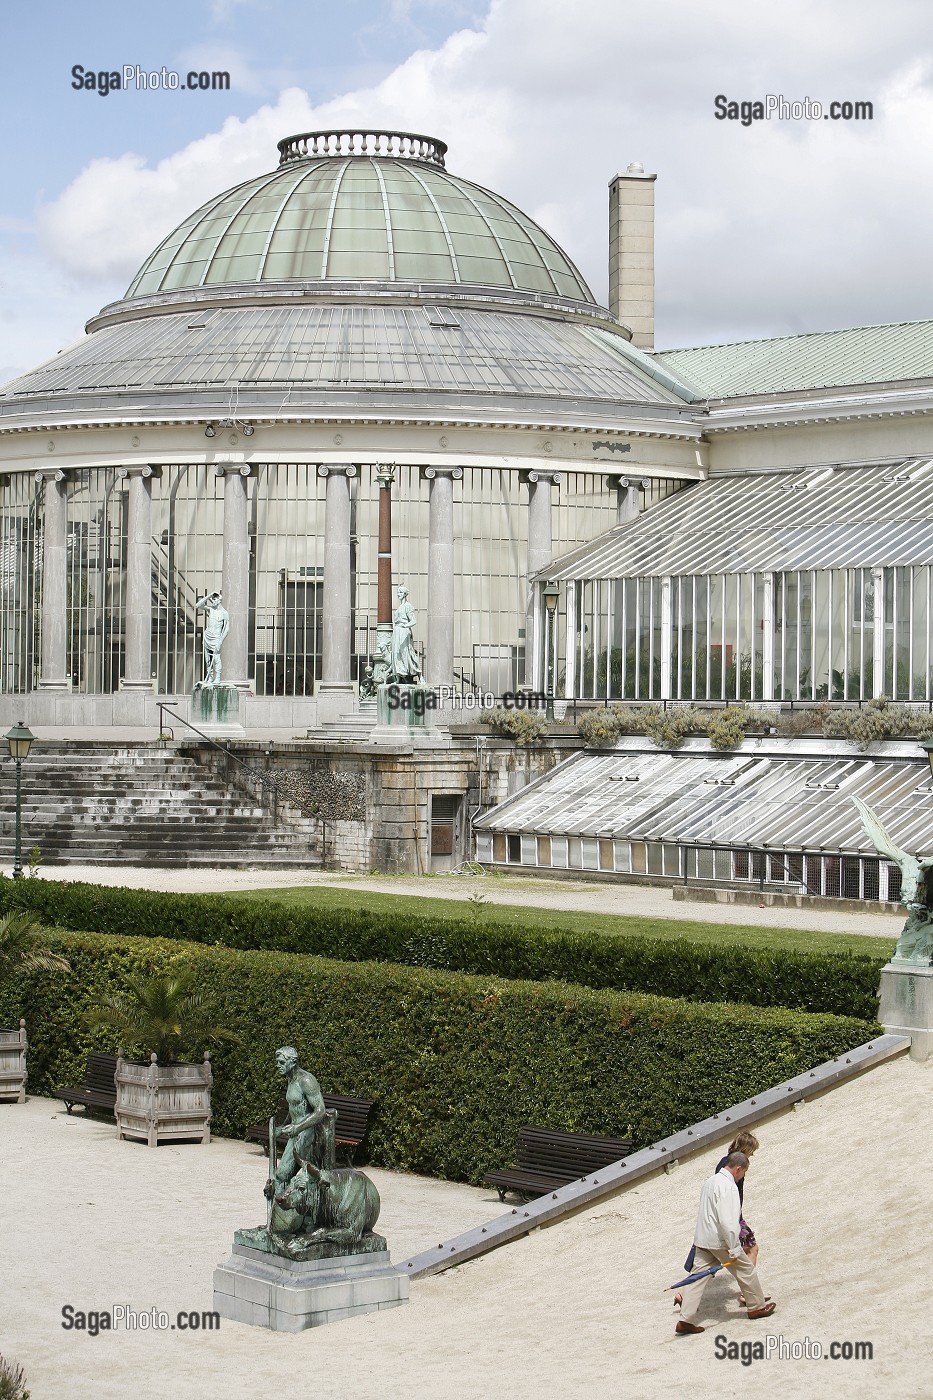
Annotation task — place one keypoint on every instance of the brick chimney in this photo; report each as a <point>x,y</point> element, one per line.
<point>631,252</point>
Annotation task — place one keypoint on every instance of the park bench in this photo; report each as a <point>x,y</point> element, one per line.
<point>353,1117</point>
<point>549,1158</point>
<point>97,1089</point>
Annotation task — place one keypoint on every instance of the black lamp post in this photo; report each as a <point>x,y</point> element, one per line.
<point>551,598</point>
<point>20,741</point>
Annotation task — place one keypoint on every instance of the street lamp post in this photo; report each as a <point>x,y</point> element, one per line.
<point>551,598</point>
<point>20,741</point>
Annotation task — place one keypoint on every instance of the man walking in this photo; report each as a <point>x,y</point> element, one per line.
<point>717,1241</point>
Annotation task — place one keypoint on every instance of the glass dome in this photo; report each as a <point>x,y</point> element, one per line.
<point>361,206</point>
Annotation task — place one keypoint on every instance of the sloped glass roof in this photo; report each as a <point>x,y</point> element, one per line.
<point>353,214</point>
<point>792,795</point>
<point>314,349</point>
<point>818,518</point>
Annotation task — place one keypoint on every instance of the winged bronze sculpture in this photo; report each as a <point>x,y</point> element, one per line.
<point>915,944</point>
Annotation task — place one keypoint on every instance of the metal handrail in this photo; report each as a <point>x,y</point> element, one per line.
<point>263,776</point>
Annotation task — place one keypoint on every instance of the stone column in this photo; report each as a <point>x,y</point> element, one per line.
<point>137,661</point>
<point>630,497</point>
<point>235,575</point>
<point>336,685</point>
<point>440,657</point>
<point>540,550</point>
<point>53,673</point>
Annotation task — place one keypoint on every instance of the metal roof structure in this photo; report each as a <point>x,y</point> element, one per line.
<point>359,279</point>
<point>356,209</point>
<point>769,793</point>
<point>817,360</point>
<point>320,349</point>
<point>814,518</point>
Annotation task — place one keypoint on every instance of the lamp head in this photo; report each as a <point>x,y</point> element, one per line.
<point>20,740</point>
<point>551,597</point>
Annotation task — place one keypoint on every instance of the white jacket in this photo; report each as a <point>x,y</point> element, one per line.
<point>718,1218</point>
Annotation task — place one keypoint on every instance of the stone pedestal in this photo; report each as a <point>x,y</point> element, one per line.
<point>907,1005</point>
<point>289,1295</point>
<point>215,710</point>
<point>404,706</point>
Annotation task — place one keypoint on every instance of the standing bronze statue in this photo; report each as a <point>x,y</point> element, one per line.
<point>216,628</point>
<point>316,1209</point>
<point>309,1133</point>
<point>406,668</point>
<point>915,944</point>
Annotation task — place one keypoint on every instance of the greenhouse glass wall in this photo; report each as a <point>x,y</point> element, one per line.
<point>808,585</point>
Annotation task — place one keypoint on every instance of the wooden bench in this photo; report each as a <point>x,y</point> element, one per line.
<point>97,1089</point>
<point>549,1158</point>
<point>353,1117</point>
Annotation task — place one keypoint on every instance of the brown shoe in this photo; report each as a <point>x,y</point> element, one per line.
<point>683,1329</point>
<point>766,1311</point>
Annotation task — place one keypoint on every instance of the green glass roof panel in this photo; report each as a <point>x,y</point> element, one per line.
<point>411,220</point>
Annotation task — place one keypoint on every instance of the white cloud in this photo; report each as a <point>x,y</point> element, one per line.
<point>773,227</point>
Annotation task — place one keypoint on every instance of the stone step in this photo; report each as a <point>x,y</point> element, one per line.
<point>108,804</point>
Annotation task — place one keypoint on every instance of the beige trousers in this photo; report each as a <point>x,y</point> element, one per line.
<point>745,1275</point>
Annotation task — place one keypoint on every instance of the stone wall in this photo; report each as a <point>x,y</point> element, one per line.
<point>372,806</point>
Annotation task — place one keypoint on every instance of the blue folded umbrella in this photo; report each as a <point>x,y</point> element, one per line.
<point>703,1273</point>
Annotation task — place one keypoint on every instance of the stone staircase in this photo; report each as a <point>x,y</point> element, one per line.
<point>92,803</point>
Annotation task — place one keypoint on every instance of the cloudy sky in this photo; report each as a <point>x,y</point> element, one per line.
<point>775,227</point>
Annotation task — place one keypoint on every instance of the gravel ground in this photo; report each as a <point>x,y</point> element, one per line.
<point>838,1196</point>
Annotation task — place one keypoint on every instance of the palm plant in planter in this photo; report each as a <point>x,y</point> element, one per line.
<point>163,1096</point>
<point>22,949</point>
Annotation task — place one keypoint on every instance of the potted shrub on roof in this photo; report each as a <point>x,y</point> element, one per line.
<point>161,1096</point>
<point>22,949</point>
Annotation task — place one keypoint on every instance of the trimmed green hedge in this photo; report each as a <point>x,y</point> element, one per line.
<point>456,1063</point>
<point>843,984</point>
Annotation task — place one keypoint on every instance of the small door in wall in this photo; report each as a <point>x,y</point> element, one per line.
<point>445,824</point>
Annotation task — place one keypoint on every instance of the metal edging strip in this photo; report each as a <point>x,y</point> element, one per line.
<point>550,1208</point>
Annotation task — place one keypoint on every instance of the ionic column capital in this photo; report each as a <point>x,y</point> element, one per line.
<point>233,469</point>
<point>144,471</point>
<point>554,478</point>
<point>429,473</point>
<point>337,469</point>
<point>51,474</point>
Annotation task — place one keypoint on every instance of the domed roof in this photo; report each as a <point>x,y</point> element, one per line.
<point>361,206</point>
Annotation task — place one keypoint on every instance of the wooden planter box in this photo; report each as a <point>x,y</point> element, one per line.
<point>156,1102</point>
<point>13,1064</point>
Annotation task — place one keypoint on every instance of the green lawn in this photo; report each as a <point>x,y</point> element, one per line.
<point>513,915</point>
